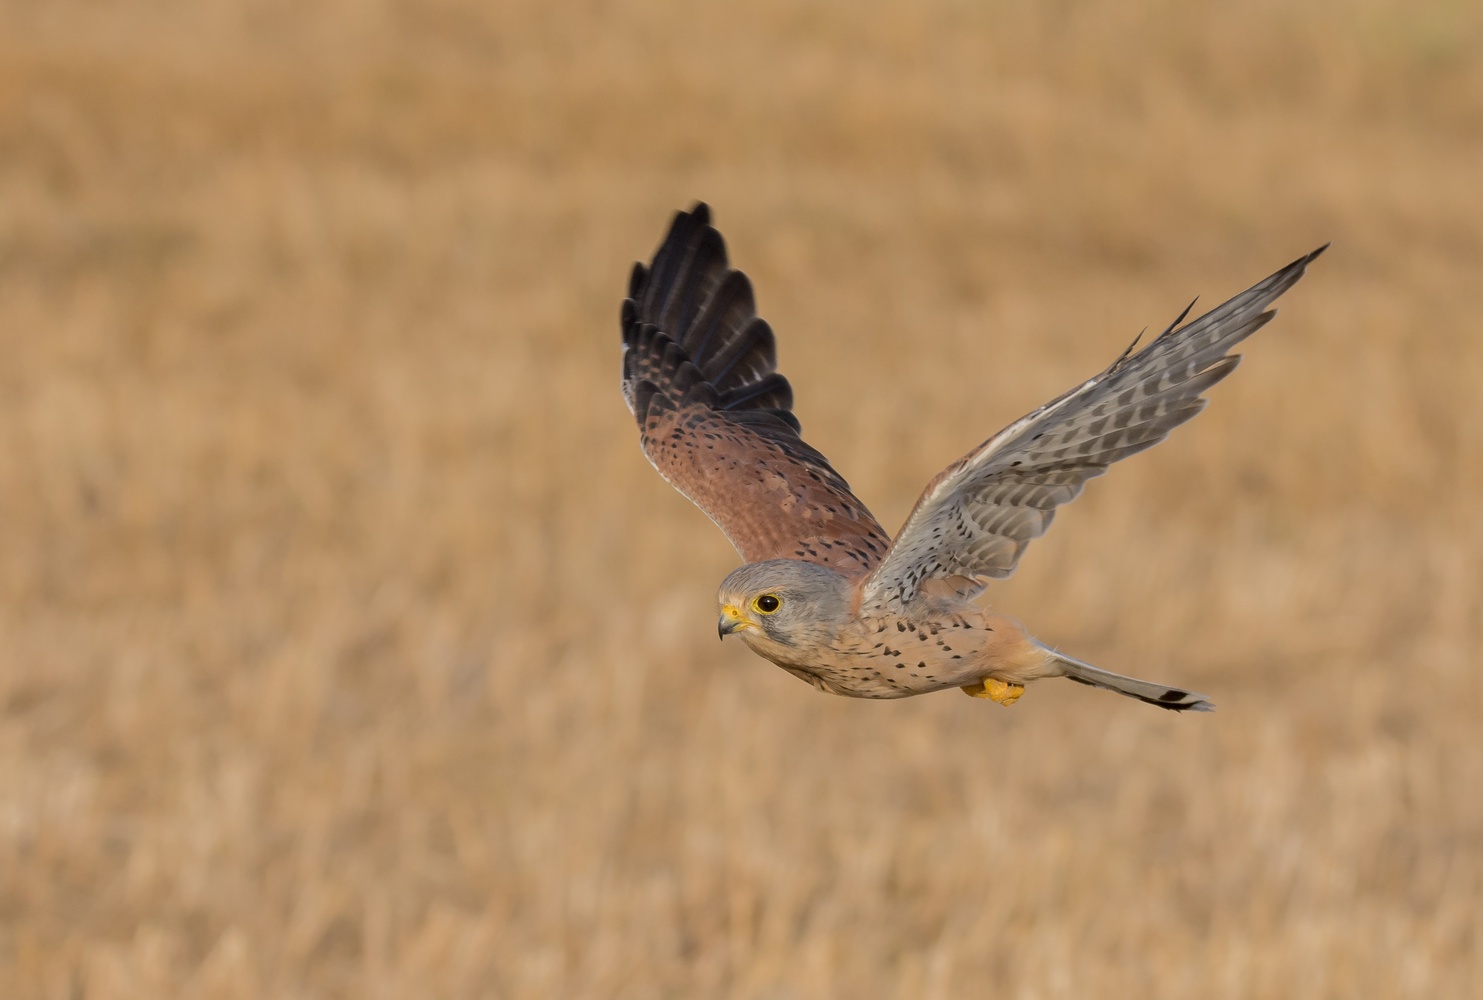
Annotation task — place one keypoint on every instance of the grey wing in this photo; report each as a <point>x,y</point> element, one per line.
<point>973,521</point>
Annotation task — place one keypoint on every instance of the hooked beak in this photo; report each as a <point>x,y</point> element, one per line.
<point>731,620</point>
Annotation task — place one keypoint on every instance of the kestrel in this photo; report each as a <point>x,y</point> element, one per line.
<point>825,593</point>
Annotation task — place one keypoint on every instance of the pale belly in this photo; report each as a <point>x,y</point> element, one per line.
<point>910,655</point>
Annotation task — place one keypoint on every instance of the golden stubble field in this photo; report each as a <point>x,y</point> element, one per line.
<point>351,649</point>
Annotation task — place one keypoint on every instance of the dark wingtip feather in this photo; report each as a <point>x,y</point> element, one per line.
<point>700,311</point>
<point>1127,352</point>
<point>643,392</point>
<point>1269,289</point>
<point>1169,331</point>
<point>1289,275</point>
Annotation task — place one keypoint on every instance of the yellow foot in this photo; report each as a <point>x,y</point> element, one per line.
<point>995,690</point>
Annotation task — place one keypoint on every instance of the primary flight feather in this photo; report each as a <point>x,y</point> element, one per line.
<point>826,593</point>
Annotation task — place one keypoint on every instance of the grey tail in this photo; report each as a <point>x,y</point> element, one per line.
<point>1162,695</point>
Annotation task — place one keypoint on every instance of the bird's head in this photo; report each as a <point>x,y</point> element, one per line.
<point>783,605</point>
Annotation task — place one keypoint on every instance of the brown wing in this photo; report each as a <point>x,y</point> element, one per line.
<point>715,417</point>
<point>974,520</point>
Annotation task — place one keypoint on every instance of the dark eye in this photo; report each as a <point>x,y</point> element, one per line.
<point>767,604</point>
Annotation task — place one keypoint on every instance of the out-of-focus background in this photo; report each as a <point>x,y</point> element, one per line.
<point>350,648</point>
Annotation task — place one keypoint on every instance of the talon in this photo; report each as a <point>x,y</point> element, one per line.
<point>995,690</point>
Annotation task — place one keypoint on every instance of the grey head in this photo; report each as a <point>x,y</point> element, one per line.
<point>783,608</point>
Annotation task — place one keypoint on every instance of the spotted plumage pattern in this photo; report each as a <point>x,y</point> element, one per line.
<point>825,593</point>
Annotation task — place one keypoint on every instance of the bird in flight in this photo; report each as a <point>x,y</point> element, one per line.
<point>825,593</point>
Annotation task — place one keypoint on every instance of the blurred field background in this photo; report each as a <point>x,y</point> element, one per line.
<point>351,648</point>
